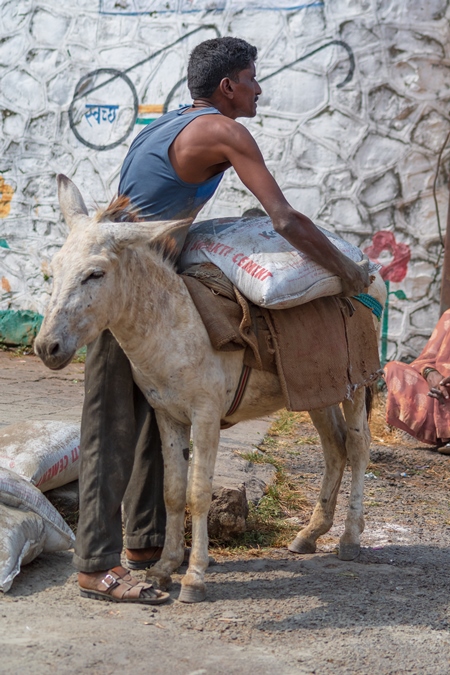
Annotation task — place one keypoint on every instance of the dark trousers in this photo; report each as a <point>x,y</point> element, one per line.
<point>120,461</point>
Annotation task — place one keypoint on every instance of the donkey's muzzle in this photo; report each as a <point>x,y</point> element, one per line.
<point>53,353</point>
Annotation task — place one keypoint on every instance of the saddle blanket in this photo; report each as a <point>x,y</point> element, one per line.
<point>322,350</point>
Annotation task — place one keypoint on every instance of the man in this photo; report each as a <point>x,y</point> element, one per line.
<point>172,169</point>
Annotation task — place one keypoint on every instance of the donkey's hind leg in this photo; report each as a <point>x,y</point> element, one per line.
<point>358,453</point>
<point>330,424</point>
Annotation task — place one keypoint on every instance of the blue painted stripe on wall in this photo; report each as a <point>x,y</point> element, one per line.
<point>288,8</point>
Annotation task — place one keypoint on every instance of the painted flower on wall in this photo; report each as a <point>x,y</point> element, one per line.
<point>384,241</point>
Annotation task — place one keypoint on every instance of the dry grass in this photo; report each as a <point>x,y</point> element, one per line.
<point>380,430</point>
<point>286,422</point>
<point>268,523</point>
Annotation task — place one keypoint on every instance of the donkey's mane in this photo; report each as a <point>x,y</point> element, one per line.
<point>120,210</point>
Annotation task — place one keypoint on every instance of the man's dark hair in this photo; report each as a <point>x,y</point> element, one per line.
<point>215,59</point>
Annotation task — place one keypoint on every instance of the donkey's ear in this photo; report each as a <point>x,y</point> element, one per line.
<point>148,232</point>
<point>70,200</point>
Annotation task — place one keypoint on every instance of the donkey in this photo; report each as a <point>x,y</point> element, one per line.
<point>115,275</point>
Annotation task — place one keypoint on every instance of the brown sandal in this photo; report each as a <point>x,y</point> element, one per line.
<point>114,588</point>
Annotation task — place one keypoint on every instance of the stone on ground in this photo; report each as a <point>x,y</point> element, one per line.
<point>237,480</point>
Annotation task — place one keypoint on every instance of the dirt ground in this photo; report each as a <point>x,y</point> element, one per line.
<point>271,612</point>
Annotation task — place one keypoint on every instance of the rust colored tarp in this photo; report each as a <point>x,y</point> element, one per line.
<point>321,350</point>
<point>325,349</point>
<point>231,324</point>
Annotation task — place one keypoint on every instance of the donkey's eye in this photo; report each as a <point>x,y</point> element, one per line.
<point>96,274</point>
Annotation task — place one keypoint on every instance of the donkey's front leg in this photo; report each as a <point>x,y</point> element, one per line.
<point>331,427</point>
<point>175,446</point>
<point>205,432</point>
<point>358,453</point>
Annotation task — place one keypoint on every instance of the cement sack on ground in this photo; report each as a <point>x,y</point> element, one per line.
<point>45,453</point>
<point>21,494</point>
<point>22,538</point>
<point>261,263</point>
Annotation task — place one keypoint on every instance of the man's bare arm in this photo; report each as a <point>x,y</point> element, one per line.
<point>241,150</point>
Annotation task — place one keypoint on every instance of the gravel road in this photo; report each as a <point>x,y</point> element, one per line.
<point>388,612</point>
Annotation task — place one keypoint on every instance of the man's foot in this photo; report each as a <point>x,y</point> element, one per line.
<point>141,558</point>
<point>117,585</point>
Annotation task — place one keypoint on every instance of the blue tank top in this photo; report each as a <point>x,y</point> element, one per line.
<point>149,179</point>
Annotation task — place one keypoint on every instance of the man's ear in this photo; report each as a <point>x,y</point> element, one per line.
<point>226,87</point>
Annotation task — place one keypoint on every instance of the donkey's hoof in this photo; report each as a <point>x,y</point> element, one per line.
<point>349,551</point>
<point>300,545</point>
<point>192,594</point>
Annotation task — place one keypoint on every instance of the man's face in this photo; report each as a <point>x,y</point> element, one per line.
<point>246,92</point>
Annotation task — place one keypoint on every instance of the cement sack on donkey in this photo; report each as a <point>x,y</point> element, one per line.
<point>22,537</point>
<point>261,263</point>
<point>21,494</point>
<point>45,453</point>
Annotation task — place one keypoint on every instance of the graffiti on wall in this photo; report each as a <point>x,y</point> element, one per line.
<point>140,7</point>
<point>96,90</point>
<point>6,194</point>
<point>352,118</point>
<point>394,269</point>
<point>102,125</point>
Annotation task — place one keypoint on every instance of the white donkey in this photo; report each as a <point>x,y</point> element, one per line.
<point>114,275</point>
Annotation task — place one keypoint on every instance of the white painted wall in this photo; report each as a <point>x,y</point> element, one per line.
<point>358,158</point>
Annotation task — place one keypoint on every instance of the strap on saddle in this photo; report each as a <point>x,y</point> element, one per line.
<point>370,302</point>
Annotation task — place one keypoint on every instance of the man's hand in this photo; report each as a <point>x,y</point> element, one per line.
<point>358,279</point>
<point>438,386</point>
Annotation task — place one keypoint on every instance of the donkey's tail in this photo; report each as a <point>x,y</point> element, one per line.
<point>372,392</point>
